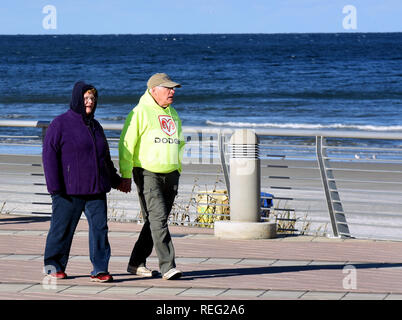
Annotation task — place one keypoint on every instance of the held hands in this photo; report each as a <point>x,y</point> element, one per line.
<point>125,185</point>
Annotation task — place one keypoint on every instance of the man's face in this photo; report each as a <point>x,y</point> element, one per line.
<point>163,96</point>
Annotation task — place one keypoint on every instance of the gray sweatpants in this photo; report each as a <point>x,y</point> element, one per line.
<point>156,192</point>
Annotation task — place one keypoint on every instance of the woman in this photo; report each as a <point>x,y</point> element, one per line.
<point>79,172</point>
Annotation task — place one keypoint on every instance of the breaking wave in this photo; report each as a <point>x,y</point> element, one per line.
<point>305,126</point>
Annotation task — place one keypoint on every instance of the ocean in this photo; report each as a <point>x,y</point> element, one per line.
<point>348,81</point>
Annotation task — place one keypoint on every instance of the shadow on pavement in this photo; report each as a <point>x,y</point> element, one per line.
<point>279,269</point>
<point>23,219</point>
<point>233,272</point>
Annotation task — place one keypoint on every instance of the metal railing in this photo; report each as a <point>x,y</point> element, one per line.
<point>337,183</point>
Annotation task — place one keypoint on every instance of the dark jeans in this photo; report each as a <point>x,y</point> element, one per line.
<point>156,192</point>
<point>66,212</point>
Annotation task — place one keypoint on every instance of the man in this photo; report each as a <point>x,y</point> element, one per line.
<point>150,150</point>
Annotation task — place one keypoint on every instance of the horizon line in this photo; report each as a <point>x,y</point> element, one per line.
<point>201,33</point>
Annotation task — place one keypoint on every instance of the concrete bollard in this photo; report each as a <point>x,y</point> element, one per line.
<point>245,191</point>
<point>245,176</point>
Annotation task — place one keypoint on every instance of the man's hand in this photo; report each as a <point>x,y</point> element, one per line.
<point>125,185</point>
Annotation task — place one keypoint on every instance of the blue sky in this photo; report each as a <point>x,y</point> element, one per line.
<point>198,16</point>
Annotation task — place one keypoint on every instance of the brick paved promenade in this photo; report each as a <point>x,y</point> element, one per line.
<point>299,267</point>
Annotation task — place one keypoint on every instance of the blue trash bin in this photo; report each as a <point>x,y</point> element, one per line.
<point>266,203</point>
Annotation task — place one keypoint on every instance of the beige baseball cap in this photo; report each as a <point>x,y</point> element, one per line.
<point>163,80</point>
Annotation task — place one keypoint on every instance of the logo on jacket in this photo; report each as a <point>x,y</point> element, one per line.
<point>167,125</point>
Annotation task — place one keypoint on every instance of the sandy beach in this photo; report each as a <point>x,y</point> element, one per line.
<point>372,209</point>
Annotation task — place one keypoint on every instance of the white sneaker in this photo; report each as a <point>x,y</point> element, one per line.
<point>172,274</point>
<point>142,271</point>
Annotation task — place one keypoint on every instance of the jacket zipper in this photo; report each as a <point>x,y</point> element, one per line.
<point>68,176</point>
<point>96,153</point>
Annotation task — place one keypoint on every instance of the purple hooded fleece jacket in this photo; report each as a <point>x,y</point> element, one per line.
<point>76,157</point>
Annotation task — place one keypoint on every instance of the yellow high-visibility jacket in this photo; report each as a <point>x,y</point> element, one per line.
<point>152,139</point>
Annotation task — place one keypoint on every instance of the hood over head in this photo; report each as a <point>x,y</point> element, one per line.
<point>77,99</point>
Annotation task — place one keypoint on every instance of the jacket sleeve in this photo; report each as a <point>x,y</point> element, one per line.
<point>114,177</point>
<point>51,160</point>
<point>111,169</point>
<point>128,140</point>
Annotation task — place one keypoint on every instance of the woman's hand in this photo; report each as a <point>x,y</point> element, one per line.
<point>125,185</point>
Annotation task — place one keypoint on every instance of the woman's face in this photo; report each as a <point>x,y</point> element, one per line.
<point>89,102</point>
